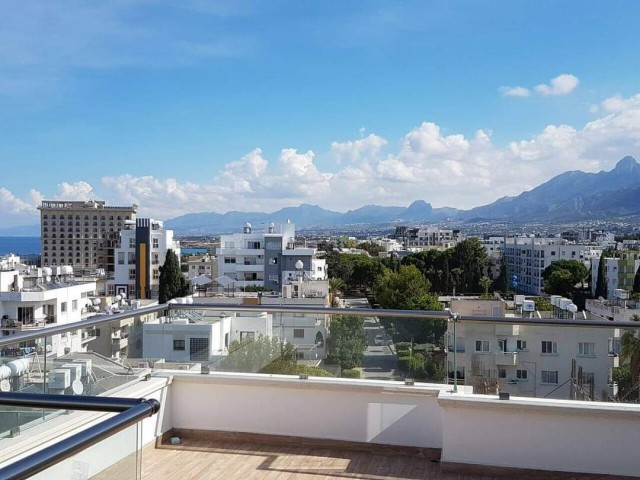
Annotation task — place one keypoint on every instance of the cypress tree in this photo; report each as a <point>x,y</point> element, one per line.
<point>636,282</point>
<point>172,282</point>
<point>601,286</point>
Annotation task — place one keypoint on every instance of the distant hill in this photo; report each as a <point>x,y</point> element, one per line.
<point>570,195</point>
<point>574,195</point>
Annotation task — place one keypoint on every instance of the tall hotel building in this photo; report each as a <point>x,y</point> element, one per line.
<point>81,234</point>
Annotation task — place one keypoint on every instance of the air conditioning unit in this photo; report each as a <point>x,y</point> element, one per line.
<point>513,381</point>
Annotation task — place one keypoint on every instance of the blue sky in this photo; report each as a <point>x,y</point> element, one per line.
<point>187,105</point>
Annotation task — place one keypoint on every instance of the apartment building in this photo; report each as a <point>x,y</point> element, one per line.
<point>202,265</point>
<point>267,259</point>
<point>35,298</point>
<point>140,252</point>
<point>530,360</point>
<point>81,234</point>
<point>527,257</point>
<point>207,340</point>
<point>619,272</point>
<point>424,238</point>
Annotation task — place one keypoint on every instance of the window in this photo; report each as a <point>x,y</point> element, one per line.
<point>63,307</point>
<point>120,258</point>
<point>247,336</point>
<point>298,333</point>
<point>132,243</point>
<point>521,374</point>
<point>586,349</point>
<point>482,345</point>
<point>132,274</point>
<point>273,261</point>
<point>549,347</point>
<point>156,243</point>
<point>502,373</point>
<point>521,344</point>
<point>74,305</point>
<point>549,376</point>
<point>156,274</point>
<point>178,345</point>
<point>230,260</point>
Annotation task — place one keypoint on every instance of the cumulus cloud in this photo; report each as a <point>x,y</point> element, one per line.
<point>446,169</point>
<point>560,85</point>
<point>515,91</point>
<point>359,150</point>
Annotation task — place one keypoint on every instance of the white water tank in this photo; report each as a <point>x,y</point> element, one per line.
<point>47,272</point>
<point>564,303</point>
<point>5,372</point>
<point>528,306</point>
<point>75,370</point>
<point>19,367</point>
<point>554,300</point>
<point>518,299</point>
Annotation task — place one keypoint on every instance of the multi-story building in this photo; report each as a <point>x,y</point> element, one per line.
<point>35,298</point>
<point>81,234</point>
<point>424,238</point>
<point>527,257</point>
<point>531,360</point>
<point>141,251</point>
<point>267,259</point>
<point>202,265</point>
<point>619,272</point>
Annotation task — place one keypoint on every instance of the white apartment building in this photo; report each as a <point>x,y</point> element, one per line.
<point>527,257</point>
<point>81,234</point>
<point>424,238</point>
<point>34,298</point>
<point>179,340</point>
<point>267,259</point>
<point>530,360</point>
<point>141,251</point>
<point>306,332</point>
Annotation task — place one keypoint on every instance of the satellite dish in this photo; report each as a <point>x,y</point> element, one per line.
<point>77,387</point>
<point>48,279</point>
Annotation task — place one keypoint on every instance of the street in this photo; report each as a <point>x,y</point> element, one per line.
<point>379,362</point>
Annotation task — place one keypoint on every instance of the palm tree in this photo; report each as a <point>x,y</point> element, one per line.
<point>336,285</point>
<point>485,283</point>
<point>630,352</point>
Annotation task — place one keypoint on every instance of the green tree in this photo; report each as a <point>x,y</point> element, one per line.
<point>630,352</point>
<point>347,341</point>
<point>252,356</point>
<point>371,248</point>
<point>407,289</point>
<point>172,281</point>
<point>470,257</point>
<point>636,282</point>
<point>561,277</point>
<point>485,283</point>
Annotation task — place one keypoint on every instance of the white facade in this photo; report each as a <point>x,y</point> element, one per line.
<point>177,340</point>
<point>527,257</point>
<point>128,278</point>
<point>530,360</point>
<point>202,265</point>
<point>33,298</point>
<point>266,259</point>
<point>619,272</point>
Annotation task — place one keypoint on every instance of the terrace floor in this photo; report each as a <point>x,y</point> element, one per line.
<point>201,458</point>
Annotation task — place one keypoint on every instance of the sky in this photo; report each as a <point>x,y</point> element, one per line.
<point>184,106</point>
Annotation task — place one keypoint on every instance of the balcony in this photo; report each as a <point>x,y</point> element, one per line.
<point>321,426</point>
<point>506,358</point>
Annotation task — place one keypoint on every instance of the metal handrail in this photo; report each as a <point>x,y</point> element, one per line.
<point>367,312</point>
<point>130,411</point>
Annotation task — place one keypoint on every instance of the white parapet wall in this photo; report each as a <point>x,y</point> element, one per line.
<point>540,434</point>
<point>388,413</point>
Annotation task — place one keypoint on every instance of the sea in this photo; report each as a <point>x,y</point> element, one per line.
<point>20,245</point>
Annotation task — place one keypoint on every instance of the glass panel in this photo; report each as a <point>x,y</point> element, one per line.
<point>119,456</point>
<point>15,420</point>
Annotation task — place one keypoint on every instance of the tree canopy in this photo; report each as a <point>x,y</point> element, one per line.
<point>347,341</point>
<point>561,277</point>
<point>172,281</point>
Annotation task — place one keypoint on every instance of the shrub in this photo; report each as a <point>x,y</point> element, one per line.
<point>351,373</point>
<point>404,363</point>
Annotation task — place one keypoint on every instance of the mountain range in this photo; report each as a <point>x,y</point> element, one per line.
<point>570,196</point>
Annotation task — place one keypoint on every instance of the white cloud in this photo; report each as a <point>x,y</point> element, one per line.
<point>515,91</point>
<point>444,169</point>
<point>560,85</point>
<point>358,150</point>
